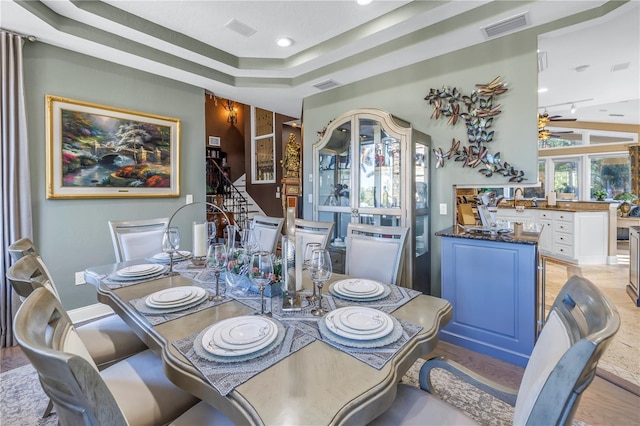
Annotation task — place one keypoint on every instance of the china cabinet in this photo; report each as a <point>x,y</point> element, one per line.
<point>371,167</point>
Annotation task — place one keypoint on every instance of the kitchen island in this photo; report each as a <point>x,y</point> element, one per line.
<point>491,279</point>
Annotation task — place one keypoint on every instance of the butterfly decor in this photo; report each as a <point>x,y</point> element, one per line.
<point>478,111</point>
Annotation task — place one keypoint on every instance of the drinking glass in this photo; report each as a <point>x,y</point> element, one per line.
<point>171,244</point>
<point>308,250</point>
<point>217,260</point>
<point>249,240</point>
<point>320,270</point>
<point>261,273</point>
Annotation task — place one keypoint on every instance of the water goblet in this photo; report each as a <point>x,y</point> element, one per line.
<point>308,250</point>
<point>261,273</point>
<point>171,244</point>
<point>217,260</point>
<point>320,270</point>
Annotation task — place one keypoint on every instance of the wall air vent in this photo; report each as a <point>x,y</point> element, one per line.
<point>326,85</point>
<point>506,26</point>
<point>620,67</point>
<point>616,115</point>
<point>240,27</point>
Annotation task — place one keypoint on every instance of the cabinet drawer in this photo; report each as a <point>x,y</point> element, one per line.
<point>564,217</point>
<point>562,238</point>
<point>563,227</point>
<point>563,250</point>
<point>545,215</point>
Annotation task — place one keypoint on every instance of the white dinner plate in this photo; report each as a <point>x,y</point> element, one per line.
<point>197,296</point>
<point>358,288</point>
<point>164,257</point>
<point>158,272</point>
<point>246,331</point>
<point>175,294</point>
<point>362,320</point>
<point>211,343</point>
<point>339,329</point>
<point>139,270</point>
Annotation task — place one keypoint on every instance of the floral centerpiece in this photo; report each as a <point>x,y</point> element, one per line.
<point>237,273</point>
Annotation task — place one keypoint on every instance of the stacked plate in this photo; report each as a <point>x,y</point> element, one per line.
<point>359,289</point>
<point>165,258</point>
<point>139,272</point>
<point>359,323</point>
<point>240,336</point>
<point>176,297</point>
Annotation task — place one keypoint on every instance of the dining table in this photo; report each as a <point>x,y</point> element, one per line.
<point>312,381</point>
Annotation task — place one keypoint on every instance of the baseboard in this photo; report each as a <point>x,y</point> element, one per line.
<point>90,312</point>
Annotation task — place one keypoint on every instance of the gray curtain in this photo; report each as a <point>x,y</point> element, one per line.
<point>14,173</point>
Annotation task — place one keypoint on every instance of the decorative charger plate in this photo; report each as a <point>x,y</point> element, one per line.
<point>175,297</point>
<point>258,332</point>
<point>359,323</point>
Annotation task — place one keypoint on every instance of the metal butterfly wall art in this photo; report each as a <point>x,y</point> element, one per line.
<point>478,111</point>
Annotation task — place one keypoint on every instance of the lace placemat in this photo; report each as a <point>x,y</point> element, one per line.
<point>159,316</point>
<point>225,376</point>
<point>374,357</point>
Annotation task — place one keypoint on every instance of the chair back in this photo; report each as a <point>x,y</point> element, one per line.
<point>579,327</point>
<point>137,239</point>
<point>67,373</point>
<point>28,274</point>
<point>21,248</point>
<point>314,232</point>
<point>270,231</point>
<point>375,252</point>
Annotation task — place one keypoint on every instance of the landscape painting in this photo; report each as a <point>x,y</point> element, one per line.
<point>95,151</point>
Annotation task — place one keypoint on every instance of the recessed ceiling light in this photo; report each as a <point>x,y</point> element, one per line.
<point>542,90</point>
<point>284,42</point>
<point>363,2</point>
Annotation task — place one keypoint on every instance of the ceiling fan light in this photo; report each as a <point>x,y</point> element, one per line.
<point>363,2</point>
<point>573,109</point>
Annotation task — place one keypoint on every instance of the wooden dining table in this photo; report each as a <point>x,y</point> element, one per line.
<point>315,385</point>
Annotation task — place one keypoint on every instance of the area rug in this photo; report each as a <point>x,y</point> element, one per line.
<point>22,400</point>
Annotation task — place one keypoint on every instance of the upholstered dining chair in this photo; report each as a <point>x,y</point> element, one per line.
<point>375,252</point>
<point>134,391</point>
<point>21,248</point>
<point>137,239</point>
<point>314,232</point>
<point>269,231</point>
<point>579,328</point>
<point>108,339</point>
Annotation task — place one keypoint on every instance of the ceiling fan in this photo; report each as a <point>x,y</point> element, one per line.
<point>543,120</point>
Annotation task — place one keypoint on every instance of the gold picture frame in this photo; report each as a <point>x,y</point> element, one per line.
<point>97,151</point>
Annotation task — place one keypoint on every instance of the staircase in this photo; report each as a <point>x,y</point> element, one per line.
<point>232,197</point>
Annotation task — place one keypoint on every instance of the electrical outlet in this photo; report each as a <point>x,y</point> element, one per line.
<point>80,278</point>
<point>189,198</point>
<point>443,208</point>
<point>277,194</point>
<point>310,177</point>
<point>310,198</point>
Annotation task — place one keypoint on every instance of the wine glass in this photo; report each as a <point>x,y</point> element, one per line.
<point>320,270</point>
<point>217,260</point>
<point>261,273</point>
<point>171,244</point>
<point>308,250</point>
<point>249,240</point>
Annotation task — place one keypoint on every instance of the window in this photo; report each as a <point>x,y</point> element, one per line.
<point>263,146</point>
<point>611,173</point>
<point>566,178</point>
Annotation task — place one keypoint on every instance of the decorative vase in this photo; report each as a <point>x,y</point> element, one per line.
<point>625,208</point>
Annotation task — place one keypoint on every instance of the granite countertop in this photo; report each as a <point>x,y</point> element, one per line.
<point>507,232</point>
<point>563,206</point>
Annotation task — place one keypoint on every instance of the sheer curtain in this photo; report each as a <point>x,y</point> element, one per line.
<point>14,173</point>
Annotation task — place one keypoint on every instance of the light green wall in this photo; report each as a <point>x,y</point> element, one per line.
<point>402,93</point>
<point>73,234</point>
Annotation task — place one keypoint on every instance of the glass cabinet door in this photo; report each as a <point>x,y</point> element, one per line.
<point>368,170</point>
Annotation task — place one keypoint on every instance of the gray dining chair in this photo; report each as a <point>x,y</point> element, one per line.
<point>580,326</point>
<point>137,239</point>
<point>375,252</point>
<point>108,339</point>
<point>313,231</point>
<point>269,230</point>
<point>134,391</point>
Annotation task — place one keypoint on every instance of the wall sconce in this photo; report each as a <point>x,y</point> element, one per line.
<point>231,108</point>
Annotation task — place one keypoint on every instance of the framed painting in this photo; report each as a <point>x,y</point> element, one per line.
<point>96,151</point>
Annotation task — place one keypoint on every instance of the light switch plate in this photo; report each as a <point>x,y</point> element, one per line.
<point>310,198</point>
<point>80,278</point>
<point>189,198</point>
<point>443,208</point>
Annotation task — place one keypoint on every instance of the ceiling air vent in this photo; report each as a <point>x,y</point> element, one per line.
<point>506,26</point>
<point>241,28</point>
<point>326,85</point>
<point>620,67</point>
